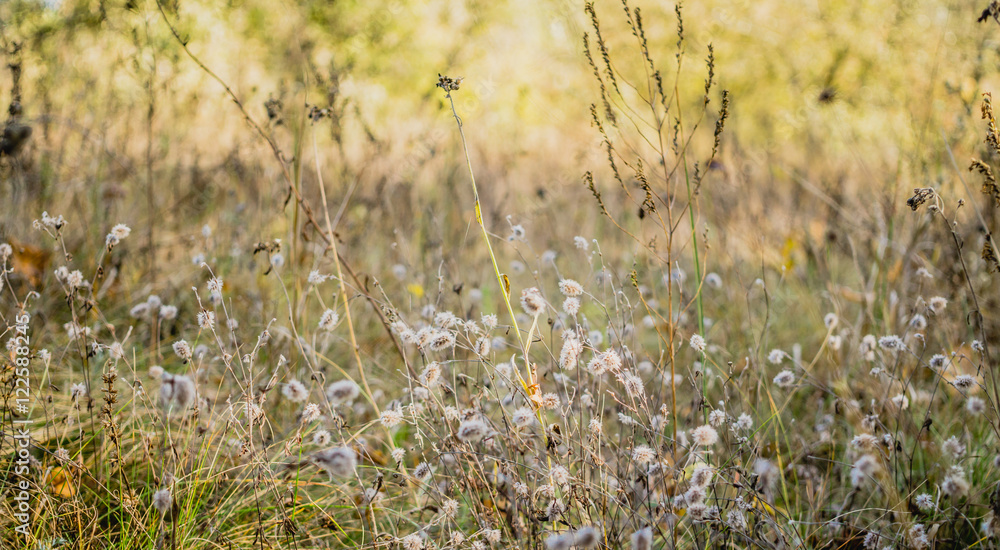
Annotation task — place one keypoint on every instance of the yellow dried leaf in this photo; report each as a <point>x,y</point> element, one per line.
<point>60,483</point>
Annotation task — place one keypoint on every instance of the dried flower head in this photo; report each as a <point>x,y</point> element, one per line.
<point>559,475</point>
<point>183,350</point>
<point>571,306</point>
<point>206,319</point>
<point>964,381</point>
<point>472,431</point>
<point>449,84</point>
<point>938,361</point>
<point>607,361</point>
<point>523,417</point>
<point>168,312</point>
<point>716,418</point>
<point>704,436</point>
<point>925,502</point>
<point>337,461</point>
<point>642,539</point>
<point>702,476</point>
<point>784,379</point>
<point>117,233</point>
<point>698,343</point>
<point>569,356</point>
<point>595,426</point>
<point>954,447</point>
<point>391,418</point>
<point>342,391</point>
<point>295,391</point>
<point>431,376</point>
<point>955,485</point>
<point>863,468</point>
<point>901,402</point>
<point>321,438</point>
<point>643,454</point>
<point>328,320</point>
<point>76,391</point>
<point>532,301</point>
<point>975,405</point>
<point>310,413</point>
<point>586,537</point>
<point>412,541</point>
<point>891,343</point>
<point>937,304</point>
<point>177,392</point>
<point>162,501</point>
<point>570,288</point>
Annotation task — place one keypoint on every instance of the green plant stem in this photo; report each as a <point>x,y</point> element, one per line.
<point>504,288</point>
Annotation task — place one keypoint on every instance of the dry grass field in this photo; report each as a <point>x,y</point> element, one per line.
<point>518,274</point>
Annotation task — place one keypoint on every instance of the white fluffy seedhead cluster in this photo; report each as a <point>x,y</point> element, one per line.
<point>338,462</point>
<point>177,392</point>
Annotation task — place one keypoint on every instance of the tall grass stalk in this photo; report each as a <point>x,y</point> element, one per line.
<point>529,384</point>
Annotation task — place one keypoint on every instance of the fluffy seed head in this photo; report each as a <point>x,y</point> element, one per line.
<point>784,379</point>
<point>342,391</point>
<point>321,438</point>
<point>472,431</point>
<point>716,418</point>
<point>704,436</point>
<point>183,350</point>
<point>570,354</point>
<point>412,542</point>
<point>168,312</point>
<point>955,485</point>
<point>162,501</point>
<point>441,340</point>
<point>570,288</point>
<point>954,447</point>
<point>891,343</point>
<point>295,391</point>
<point>642,539</point>
<point>431,376</point>
<point>901,402</point>
<point>830,321</point>
<point>863,468</point>
<point>643,454</point>
<point>607,361</point>
<point>532,301</point>
<point>177,392</point>
<point>523,417</point>
<point>702,476</point>
<point>963,381</point>
<point>559,475</point>
<point>698,343</point>
<point>310,413</point>
<point>328,321</point>
<point>975,405</point>
<point>864,442</point>
<point>206,319</point>
<point>215,285</point>
<point>744,422</point>
<point>337,461</point>
<point>391,417</point>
